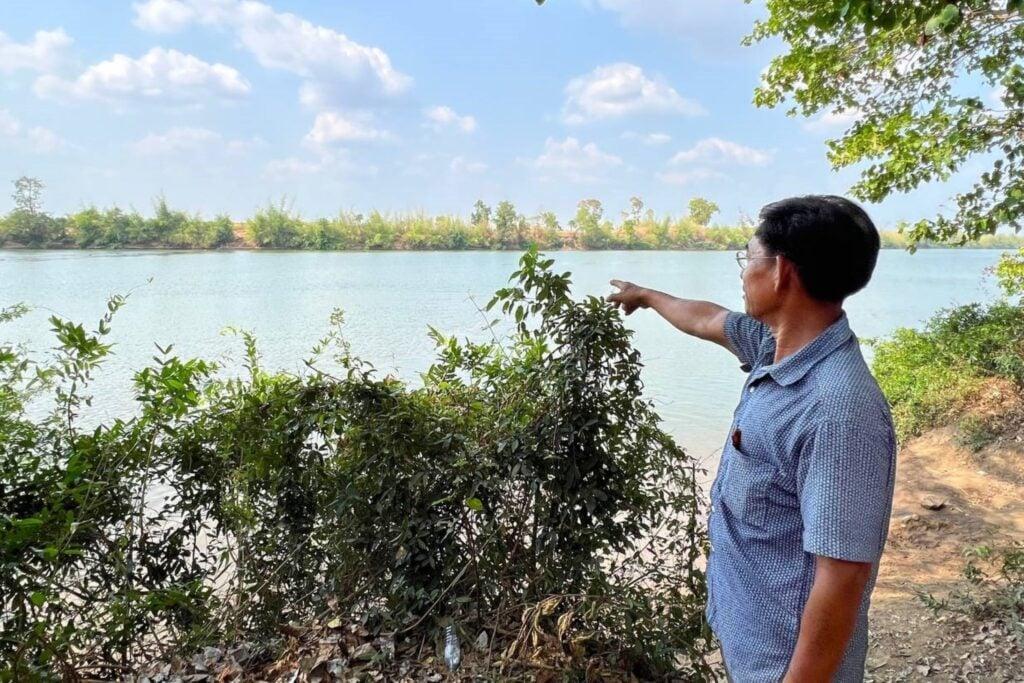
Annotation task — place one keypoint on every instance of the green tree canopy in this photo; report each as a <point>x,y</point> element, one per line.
<point>28,223</point>
<point>28,194</point>
<point>928,85</point>
<point>481,213</point>
<point>702,210</point>
<point>508,224</point>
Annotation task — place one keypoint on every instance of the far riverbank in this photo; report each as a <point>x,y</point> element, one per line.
<point>504,229</point>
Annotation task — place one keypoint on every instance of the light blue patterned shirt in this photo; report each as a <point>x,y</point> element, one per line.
<point>808,469</point>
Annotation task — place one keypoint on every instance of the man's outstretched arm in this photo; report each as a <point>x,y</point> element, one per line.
<point>701,319</point>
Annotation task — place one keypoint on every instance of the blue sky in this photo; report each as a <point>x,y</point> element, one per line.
<point>224,105</point>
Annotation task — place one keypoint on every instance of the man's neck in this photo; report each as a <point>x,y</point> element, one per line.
<point>794,327</point>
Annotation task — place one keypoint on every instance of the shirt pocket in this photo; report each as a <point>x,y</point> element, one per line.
<point>745,487</point>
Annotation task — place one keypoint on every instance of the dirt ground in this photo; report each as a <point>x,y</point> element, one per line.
<point>981,501</point>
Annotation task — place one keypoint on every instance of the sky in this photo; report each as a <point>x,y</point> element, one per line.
<point>223,106</point>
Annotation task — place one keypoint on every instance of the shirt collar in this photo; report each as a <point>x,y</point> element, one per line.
<point>792,368</point>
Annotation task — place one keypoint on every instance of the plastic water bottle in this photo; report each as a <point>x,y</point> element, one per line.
<point>452,651</point>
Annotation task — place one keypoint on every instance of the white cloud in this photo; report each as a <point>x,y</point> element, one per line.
<point>193,141</point>
<point>292,166</point>
<point>333,127</point>
<point>176,140</point>
<point>327,162</point>
<point>36,138</point>
<point>163,16</point>
<point>833,121</point>
<point>160,75</point>
<point>335,69</point>
<point>461,165</point>
<point>578,163</point>
<point>622,89</point>
<point>688,177</point>
<point>717,150</point>
<point>649,139</point>
<point>431,165</point>
<point>442,117</point>
<point>45,53</point>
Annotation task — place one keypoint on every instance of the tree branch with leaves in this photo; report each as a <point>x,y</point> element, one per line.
<point>930,85</point>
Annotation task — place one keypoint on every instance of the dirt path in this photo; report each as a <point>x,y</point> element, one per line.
<point>982,498</point>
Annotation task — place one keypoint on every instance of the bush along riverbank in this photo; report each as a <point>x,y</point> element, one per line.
<point>525,496</point>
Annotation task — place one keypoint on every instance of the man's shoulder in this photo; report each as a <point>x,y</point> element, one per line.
<point>846,391</point>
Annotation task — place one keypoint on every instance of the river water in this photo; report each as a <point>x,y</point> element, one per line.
<point>389,298</point>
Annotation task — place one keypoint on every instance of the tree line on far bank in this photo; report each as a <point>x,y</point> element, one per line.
<point>277,226</point>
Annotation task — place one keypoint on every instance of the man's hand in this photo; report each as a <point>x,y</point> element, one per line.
<point>629,297</point>
<point>702,319</point>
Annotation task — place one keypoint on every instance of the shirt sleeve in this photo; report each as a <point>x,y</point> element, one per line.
<point>745,335</point>
<point>845,483</point>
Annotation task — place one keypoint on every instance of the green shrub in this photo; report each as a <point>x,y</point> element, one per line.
<point>380,232</point>
<point>987,338</point>
<point>114,229</point>
<point>930,375</point>
<point>32,230</point>
<point>87,227</point>
<point>226,506</point>
<point>275,226</point>
<point>1010,272</point>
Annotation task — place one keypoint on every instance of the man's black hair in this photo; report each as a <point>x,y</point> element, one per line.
<point>830,240</point>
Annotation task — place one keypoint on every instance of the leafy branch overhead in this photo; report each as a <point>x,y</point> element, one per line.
<point>929,85</point>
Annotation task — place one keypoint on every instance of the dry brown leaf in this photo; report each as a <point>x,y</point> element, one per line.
<point>547,605</point>
<point>563,623</point>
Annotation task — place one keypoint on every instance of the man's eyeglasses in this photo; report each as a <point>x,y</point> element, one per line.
<point>744,260</point>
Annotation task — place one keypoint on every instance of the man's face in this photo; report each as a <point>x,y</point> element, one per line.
<point>759,295</point>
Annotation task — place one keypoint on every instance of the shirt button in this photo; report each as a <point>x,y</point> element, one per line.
<point>751,390</point>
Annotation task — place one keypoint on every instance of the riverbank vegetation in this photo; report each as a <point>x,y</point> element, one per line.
<point>934,375</point>
<point>277,226</point>
<point>525,495</point>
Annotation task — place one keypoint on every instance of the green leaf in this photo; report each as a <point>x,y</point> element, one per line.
<point>475,504</point>
<point>947,18</point>
<point>38,598</point>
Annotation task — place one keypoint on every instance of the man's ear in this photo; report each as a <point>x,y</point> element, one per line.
<point>785,275</point>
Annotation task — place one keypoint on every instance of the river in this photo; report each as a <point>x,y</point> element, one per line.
<point>389,299</point>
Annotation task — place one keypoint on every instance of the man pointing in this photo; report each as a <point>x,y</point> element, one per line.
<point>800,505</point>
